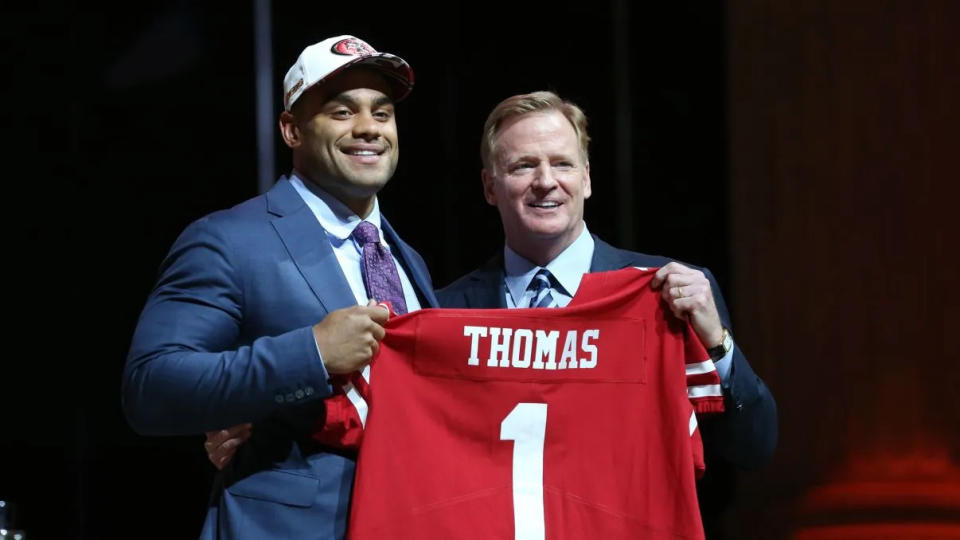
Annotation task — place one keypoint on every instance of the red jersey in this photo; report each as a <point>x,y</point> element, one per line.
<point>537,423</point>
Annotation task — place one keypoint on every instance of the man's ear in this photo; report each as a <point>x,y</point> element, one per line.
<point>289,130</point>
<point>488,192</point>
<point>587,190</point>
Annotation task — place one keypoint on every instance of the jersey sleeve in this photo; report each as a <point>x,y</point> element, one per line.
<point>703,391</point>
<point>346,412</point>
<point>696,448</point>
<point>703,380</point>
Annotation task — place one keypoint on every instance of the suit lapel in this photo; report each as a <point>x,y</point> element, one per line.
<point>486,285</point>
<point>404,253</point>
<point>607,257</point>
<point>306,242</point>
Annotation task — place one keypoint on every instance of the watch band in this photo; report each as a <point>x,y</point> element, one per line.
<point>721,350</point>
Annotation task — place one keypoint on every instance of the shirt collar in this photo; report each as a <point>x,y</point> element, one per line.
<point>567,268</point>
<point>338,220</point>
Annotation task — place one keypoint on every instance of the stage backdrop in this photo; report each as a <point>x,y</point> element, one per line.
<point>843,120</point>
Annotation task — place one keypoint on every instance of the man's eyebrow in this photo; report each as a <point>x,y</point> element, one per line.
<point>349,101</point>
<point>382,101</point>
<point>519,158</point>
<point>343,99</point>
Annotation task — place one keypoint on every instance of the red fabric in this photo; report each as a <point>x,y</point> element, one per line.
<point>618,457</point>
<point>341,427</point>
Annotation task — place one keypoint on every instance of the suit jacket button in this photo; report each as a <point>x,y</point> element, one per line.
<point>308,390</point>
<point>278,398</point>
<point>299,394</point>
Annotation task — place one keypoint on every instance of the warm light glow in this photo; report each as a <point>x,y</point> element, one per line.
<point>885,497</point>
<point>882,531</point>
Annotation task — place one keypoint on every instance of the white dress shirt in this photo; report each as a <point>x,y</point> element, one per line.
<point>339,222</point>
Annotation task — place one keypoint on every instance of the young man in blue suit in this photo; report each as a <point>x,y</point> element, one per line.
<point>259,305</point>
<point>536,171</point>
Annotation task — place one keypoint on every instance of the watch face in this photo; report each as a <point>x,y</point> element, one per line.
<point>727,342</point>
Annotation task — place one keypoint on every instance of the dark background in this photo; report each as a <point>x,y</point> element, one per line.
<point>803,153</point>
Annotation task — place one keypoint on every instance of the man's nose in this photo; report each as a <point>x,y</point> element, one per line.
<point>366,126</point>
<point>544,178</point>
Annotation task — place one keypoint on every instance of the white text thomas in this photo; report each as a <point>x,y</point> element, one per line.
<point>536,349</point>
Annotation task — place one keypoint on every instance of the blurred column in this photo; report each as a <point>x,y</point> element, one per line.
<point>266,126</point>
<point>620,15</point>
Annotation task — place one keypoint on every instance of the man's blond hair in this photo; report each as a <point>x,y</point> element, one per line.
<point>533,102</point>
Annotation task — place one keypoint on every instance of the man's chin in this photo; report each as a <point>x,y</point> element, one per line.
<point>367,184</point>
<point>543,228</point>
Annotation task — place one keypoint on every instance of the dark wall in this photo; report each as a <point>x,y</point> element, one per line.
<point>843,119</point>
<point>123,124</point>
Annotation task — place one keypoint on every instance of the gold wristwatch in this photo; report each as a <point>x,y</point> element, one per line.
<point>721,350</point>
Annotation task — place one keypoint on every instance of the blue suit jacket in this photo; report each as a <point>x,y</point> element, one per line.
<point>226,337</point>
<point>744,436</point>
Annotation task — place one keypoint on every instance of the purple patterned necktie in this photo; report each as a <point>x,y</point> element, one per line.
<point>379,272</point>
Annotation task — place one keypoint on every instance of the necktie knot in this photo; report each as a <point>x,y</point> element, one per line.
<point>540,280</point>
<point>380,275</point>
<point>366,233</point>
<point>539,288</point>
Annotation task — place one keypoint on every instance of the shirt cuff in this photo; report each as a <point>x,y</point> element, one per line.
<point>725,366</point>
<point>317,345</point>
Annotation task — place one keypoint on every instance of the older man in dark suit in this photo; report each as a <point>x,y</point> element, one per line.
<point>536,171</point>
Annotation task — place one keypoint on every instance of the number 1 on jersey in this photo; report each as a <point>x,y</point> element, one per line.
<point>525,426</point>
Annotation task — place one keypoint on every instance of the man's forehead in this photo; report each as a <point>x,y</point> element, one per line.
<point>359,96</point>
<point>535,137</point>
<point>536,152</point>
<point>354,81</point>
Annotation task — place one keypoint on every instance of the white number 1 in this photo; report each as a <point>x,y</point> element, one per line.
<point>525,426</point>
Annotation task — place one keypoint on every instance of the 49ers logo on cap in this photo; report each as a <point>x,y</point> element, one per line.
<point>352,47</point>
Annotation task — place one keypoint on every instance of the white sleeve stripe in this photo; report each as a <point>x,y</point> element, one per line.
<point>700,368</point>
<point>365,373</point>
<point>359,403</point>
<point>704,390</point>
<point>693,423</point>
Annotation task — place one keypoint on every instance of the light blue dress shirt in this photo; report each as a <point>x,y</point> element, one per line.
<point>568,268</point>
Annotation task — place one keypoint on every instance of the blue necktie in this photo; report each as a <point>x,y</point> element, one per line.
<point>540,287</point>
